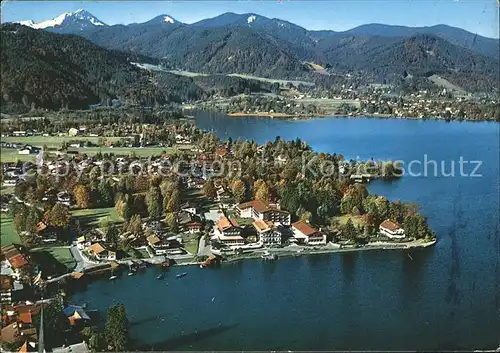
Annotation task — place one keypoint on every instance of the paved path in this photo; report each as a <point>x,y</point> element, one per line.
<point>203,248</point>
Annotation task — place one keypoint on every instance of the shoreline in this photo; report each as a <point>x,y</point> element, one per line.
<point>280,253</point>
<point>335,115</point>
<point>368,247</point>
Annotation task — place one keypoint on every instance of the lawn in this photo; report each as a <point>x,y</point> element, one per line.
<point>329,105</point>
<point>53,261</point>
<point>241,221</point>
<point>11,155</point>
<point>8,233</point>
<point>356,220</point>
<point>54,141</point>
<point>91,216</point>
<point>5,190</point>
<point>191,243</point>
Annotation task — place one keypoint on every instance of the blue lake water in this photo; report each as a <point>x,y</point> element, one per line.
<point>445,297</point>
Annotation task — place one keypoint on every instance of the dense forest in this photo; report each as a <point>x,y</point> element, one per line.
<point>274,48</point>
<point>42,69</point>
<point>53,71</point>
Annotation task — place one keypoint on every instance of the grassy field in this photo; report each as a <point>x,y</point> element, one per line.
<point>356,220</point>
<point>329,105</point>
<point>272,80</point>
<point>442,82</point>
<point>91,216</point>
<point>4,190</point>
<point>53,261</point>
<point>247,77</point>
<point>61,254</point>
<point>191,243</point>
<point>8,233</point>
<point>11,155</point>
<point>54,141</point>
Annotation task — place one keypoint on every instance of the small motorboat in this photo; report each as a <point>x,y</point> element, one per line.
<point>112,278</point>
<point>160,276</point>
<point>180,275</point>
<point>131,273</point>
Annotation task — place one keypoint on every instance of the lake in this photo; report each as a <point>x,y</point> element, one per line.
<point>445,297</point>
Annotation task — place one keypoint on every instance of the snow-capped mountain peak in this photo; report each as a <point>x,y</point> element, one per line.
<point>68,21</point>
<point>168,19</point>
<point>251,19</point>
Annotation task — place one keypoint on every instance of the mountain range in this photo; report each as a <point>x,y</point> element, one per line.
<point>82,20</point>
<point>237,43</point>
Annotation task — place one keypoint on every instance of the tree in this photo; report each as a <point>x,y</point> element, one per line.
<point>54,322</point>
<point>396,211</point>
<point>349,231</point>
<point>154,202</point>
<point>306,216</point>
<point>173,202</point>
<point>415,226</point>
<point>112,234</point>
<point>122,207</point>
<point>239,190</point>
<point>20,213</point>
<point>208,189</point>
<point>116,330</point>
<point>58,216</point>
<point>32,220</point>
<point>82,195</point>
<point>382,205</point>
<point>104,224</point>
<point>371,222</point>
<point>134,225</point>
<point>171,222</point>
<point>262,193</point>
<point>95,339</point>
<point>105,192</point>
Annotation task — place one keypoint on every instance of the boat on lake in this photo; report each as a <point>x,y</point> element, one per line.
<point>180,275</point>
<point>160,276</point>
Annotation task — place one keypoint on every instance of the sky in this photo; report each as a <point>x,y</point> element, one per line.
<point>477,16</point>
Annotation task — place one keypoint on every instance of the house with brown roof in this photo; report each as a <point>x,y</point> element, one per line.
<point>98,251</point>
<point>256,209</point>
<point>14,259</point>
<point>391,230</point>
<point>306,234</point>
<point>222,152</point>
<point>267,232</point>
<point>227,231</point>
<point>158,245</point>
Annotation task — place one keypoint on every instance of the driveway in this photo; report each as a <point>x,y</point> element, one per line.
<point>203,248</point>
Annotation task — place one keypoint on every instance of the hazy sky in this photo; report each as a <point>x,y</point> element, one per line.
<point>478,16</point>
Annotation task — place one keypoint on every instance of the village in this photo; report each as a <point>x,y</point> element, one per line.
<point>72,217</point>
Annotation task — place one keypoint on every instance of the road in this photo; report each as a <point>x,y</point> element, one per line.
<point>203,248</point>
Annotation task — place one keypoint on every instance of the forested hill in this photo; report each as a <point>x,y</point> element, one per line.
<point>50,70</point>
<point>420,56</point>
<point>41,69</point>
<point>256,45</point>
<point>207,50</point>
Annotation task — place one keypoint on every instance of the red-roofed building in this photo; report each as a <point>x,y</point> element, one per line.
<point>228,232</point>
<point>14,258</point>
<point>257,210</point>
<point>268,234</point>
<point>391,230</point>
<point>306,234</point>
